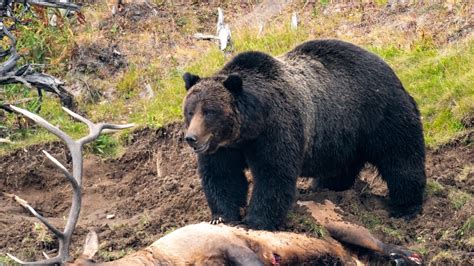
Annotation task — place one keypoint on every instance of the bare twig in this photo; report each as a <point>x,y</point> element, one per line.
<point>207,37</point>
<point>294,21</point>
<point>223,34</point>
<point>7,141</point>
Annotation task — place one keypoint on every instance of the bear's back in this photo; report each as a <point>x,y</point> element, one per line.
<point>333,52</point>
<point>347,61</point>
<point>253,63</point>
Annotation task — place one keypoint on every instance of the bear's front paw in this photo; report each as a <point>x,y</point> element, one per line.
<point>217,220</point>
<point>257,224</point>
<point>238,224</point>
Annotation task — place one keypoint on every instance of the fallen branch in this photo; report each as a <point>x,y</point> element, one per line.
<point>7,141</point>
<point>40,82</point>
<point>206,37</point>
<point>27,76</point>
<point>223,34</point>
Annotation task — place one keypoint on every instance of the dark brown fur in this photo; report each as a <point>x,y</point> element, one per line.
<point>323,110</point>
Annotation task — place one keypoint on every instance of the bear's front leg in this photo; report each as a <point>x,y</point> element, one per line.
<point>274,174</point>
<point>272,197</point>
<point>224,184</point>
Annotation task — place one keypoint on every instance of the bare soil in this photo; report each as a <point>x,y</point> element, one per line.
<point>95,59</point>
<point>153,188</point>
<point>443,232</point>
<point>146,204</point>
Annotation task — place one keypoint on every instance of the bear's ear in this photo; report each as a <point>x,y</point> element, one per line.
<point>190,80</point>
<point>233,83</point>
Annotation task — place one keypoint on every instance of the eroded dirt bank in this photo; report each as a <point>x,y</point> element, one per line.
<point>153,189</point>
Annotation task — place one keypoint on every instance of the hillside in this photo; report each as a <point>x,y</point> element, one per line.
<point>127,67</point>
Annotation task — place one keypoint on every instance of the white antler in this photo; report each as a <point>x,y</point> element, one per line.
<point>76,148</point>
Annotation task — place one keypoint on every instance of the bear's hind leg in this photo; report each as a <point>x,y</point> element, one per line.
<point>224,183</point>
<point>341,182</point>
<point>406,180</point>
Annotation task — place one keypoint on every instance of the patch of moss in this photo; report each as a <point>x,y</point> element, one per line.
<point>370,220</point>
<point>433,188</point>
<point>458,198</point>
<point>468,227</point>
<point>307,223</point>
<point>5,260</point>
<point>392,232</point>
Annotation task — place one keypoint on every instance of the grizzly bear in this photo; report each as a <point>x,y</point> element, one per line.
<point>323,110</point>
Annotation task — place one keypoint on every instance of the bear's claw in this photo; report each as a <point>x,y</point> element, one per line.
<point>217,220</point>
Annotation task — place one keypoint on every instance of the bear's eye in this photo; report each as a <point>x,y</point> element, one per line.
<point>190,113</point>
<point>209,112</point>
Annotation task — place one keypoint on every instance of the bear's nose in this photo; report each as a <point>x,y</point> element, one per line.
<point>191,139</point>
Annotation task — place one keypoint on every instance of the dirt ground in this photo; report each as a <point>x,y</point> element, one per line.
<point>153,188</point>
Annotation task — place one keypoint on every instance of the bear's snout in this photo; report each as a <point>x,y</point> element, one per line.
<point>197,141</point>
<point>191,139</point>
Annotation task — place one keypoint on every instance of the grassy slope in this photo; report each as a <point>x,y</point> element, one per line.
<point>439,76</point>
<point>442,83</point>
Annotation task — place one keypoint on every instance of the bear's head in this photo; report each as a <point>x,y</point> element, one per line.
<point>210,111</point>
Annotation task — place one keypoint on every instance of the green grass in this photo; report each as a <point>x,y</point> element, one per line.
<point>392,232</point>
<point>42,44</point>
<point>113,255</point>
<point>370,220</point>
<point>128,85</point>
<point>468,227</point>
<point>442,256</point>
<point>422,250</point>
<point>434,188</point>
<point>5,260</point>
<point>105,145</point>
<point>306,223</point>
<point>276,41</point>
<point>458,198</point>
<point>441,82</point>
<point>466,171</point>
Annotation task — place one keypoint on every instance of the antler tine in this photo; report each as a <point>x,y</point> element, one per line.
<point>95,129</point>
<point>27,206</point>
<point>79,117</point>
<point>51,261</point>
<point>98,128</point>
<point>75,185</point>
<point>75,148</point>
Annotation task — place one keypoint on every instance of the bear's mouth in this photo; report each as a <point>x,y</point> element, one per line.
<point>203,147</point>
